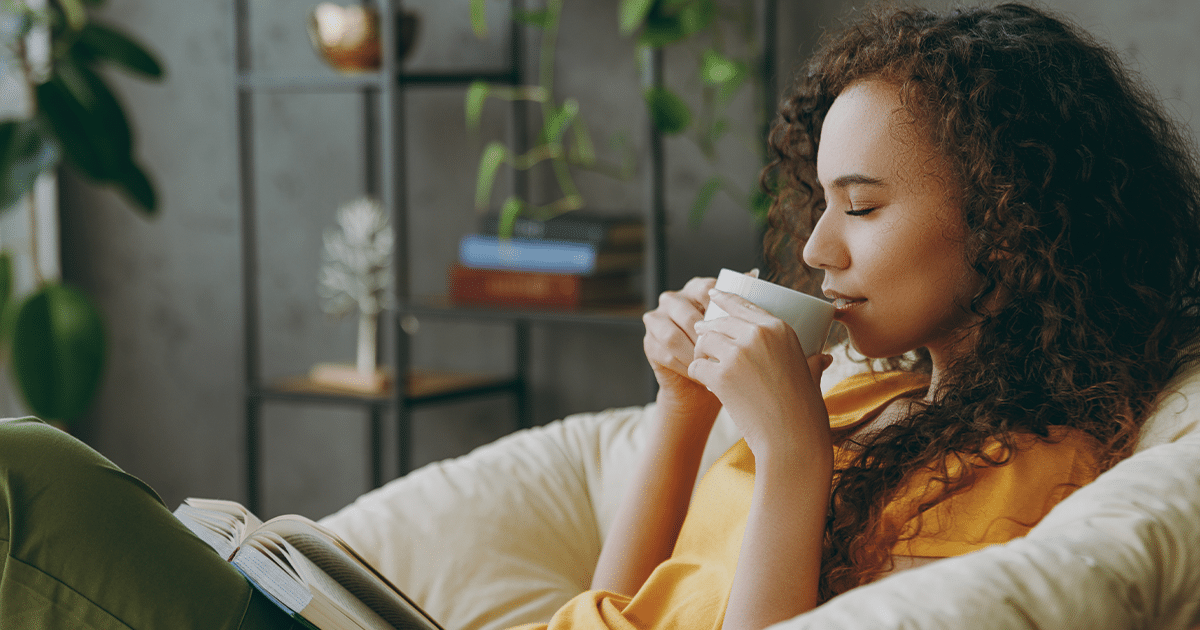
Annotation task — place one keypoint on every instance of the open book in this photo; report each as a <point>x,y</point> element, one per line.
<point>304,568</point>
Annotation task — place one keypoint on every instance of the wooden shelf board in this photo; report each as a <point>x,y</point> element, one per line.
<point>325,82</point>
<point>426,383</point>
<point>421,384</point>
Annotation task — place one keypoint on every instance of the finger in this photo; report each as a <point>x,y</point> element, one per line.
<point>662,359</point>
<point>717,348</point>
<point>682,312</point>
<point>697,289</point>
<point>699,286</point>
<point>746,322</point>
<point>817,364</point>
<point>703,365</point>
<point>730,327</point>
<point>715,356</point>
<point>753,273</point>
<point>665,344</point>
<point>740,307</point>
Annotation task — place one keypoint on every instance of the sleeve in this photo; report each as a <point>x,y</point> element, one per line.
<point>1003,503</point>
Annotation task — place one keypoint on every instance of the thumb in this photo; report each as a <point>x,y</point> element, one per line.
<point>817,364</point>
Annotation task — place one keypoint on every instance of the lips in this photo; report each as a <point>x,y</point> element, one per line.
<point>842,302</point>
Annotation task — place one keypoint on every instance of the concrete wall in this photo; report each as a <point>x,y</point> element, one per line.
<point>171,409</point>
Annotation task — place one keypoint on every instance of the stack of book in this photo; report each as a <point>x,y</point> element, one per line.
<point>574,260</point>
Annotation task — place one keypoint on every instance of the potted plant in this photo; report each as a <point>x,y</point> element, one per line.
<point>52,338</point>
<point>564,141</point>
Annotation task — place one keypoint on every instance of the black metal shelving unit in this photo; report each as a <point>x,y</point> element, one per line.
<point>383,107</point>
<point>383,112</point>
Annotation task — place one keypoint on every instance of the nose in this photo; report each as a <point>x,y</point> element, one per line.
<point>824,249</point>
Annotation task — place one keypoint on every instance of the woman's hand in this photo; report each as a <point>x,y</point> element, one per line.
<point>648,520</point>
<point>754,364</point>
<point>670,345</point>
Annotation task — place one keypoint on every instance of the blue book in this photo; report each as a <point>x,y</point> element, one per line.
<point>547,256</point>
<point>624,232</point>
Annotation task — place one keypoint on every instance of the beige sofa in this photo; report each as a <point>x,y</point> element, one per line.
<point>507,533</point>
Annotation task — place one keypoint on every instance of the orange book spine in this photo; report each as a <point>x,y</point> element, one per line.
<point>514,288</point>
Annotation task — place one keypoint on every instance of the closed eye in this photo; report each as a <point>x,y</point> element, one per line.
<point>860,212</point>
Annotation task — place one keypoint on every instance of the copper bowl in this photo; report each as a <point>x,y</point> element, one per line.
<point>347,37</point>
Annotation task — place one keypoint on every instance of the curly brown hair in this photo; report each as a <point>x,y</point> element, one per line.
<point>1081,201</point>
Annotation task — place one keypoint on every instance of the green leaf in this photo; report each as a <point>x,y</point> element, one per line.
<point>669,113</point>
<point>632,13</point>
<point>715,69</point>
<point>134,183</point>
<point>27,149</point>
<point>541,19</point>
<point>58,352</point>
<point>111,45</point>
<point>508,216</point>
<point>556,124</point>
<point>697,16</point>
<point>93,138</point>
<point>8,317</point>
<point>728,89</point>
<point>479,18</point>
<point>75,13</point>
<point>494,154</point>
<point>659,31</point>
<point>90,123</point>
<point>74,73</point>
<point>477,93</point>
<point>670,22</point>
<point>703,200</point>
<point>6,285</point>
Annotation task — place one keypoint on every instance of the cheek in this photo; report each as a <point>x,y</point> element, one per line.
<point>923,256</point>
<point>889,255</point>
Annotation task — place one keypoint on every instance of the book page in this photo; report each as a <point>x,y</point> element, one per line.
<point>280,582</point>
<point>329,604</point>
<point>216,530</point>
<point>243,520</point>
<point>333,557</point>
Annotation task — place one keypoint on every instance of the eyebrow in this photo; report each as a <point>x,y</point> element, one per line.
<point>855,179</point>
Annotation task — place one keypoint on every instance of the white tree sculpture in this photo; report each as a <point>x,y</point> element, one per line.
<point>357,272</point>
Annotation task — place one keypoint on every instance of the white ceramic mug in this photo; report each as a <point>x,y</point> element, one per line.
<point>810,317</point>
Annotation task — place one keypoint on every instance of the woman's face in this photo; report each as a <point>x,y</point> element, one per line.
<point>891,238</point>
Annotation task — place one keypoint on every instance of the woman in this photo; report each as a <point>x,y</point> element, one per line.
<point>987,189</point>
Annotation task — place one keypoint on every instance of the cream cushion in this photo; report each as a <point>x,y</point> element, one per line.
<point>508,533</point>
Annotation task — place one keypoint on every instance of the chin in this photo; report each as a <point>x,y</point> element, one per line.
<point>872,349</point>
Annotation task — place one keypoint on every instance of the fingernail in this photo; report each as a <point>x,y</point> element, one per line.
<point>712,292</point>
<point>753,273</point>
